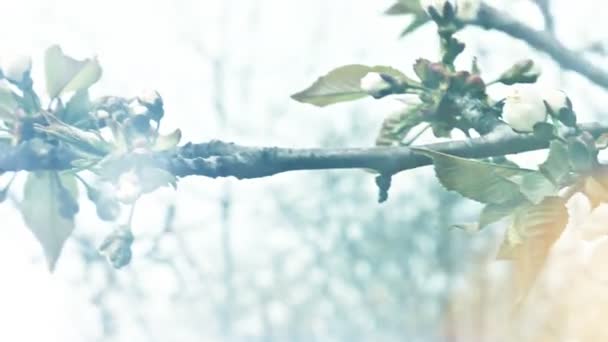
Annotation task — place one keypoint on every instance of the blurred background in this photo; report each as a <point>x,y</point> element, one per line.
<point>302,256</point>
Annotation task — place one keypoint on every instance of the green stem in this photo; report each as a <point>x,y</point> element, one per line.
<point>418,135</point>
<point>131,214</point>
<point>493,82</point>
<point>86,185</point>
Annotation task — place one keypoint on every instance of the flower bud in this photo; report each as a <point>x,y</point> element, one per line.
<point>524,71</point>
<point>437,5</point>
<point>117,247</point>
<point>149,98</point>
<point>476,82</point>
<point>523,109</point>
<point>431,74</point>
<point>374,84</point>
<point>16,69</point>
<point>154,102</point>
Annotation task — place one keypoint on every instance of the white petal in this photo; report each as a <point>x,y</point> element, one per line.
<point>597,259</point>
<point>523,109</point>
<point>556,99</point>
<point>15,68</point>
<point>595,224</point>
<point>373,83</point>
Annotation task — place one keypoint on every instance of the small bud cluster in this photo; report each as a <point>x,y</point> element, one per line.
<point>117,247</point>
<point>465,10</point>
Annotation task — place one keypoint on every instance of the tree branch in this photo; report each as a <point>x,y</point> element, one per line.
<point>221,159</point>
<point>490,18</point>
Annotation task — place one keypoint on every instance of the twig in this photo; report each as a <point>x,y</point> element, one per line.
<point>490,18</point>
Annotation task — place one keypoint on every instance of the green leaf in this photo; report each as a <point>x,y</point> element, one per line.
<point>492,213</point>
<point>397,125</point>
<point>412,7</point>
<point>582,157</point>
<point>41,210</point>
<point>342,84</point>
<point>397,9</point>
<point>405,7</point>
<point>567,117</point>
<point>530,237</point>
<point>479,181</point>
<point>468,227</point>
<point>77,109</point>
<point>86,141</point>
<point>535,186</point>
<point>167,142</point>
<point>544,131</point>
<point>414,25</point>
<point>8,104</point>
<point>556,167</point>
<point>64,73</point>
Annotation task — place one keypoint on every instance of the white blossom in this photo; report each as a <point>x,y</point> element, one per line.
<point>128,188</point>
<point>524,108</point>
<point>373,83</point>
<point>556,99</point>
<point>589,234</point>
<point>467,9</point>
<point>16,68</point>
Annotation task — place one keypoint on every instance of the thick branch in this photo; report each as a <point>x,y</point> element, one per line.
<point>490,18</point>
<point>221,159</point>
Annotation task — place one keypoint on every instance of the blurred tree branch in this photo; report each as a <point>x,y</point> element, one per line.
<point>545,8</point>
<point>493,19</point>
